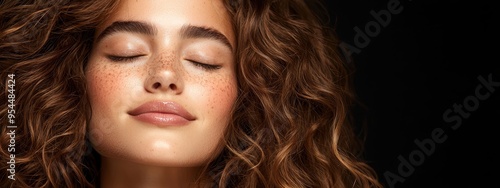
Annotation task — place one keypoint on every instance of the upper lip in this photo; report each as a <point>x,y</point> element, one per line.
<point>166,107</point>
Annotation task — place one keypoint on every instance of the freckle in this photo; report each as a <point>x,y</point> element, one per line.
<point>166,57</point>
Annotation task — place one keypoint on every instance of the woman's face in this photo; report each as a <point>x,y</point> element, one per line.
<point>161,82</point>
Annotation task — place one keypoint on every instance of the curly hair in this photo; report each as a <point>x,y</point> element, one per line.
<point>290,126</point>
<point>45,44</point>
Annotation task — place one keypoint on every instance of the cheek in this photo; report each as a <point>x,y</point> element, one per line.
<point>104,85</point>
<point>99,82</point>
<point>215,99</point>
<point>104,94</point>
<point>222,95</point>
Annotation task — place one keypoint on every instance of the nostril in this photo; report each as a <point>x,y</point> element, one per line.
<point>173,87</point>
<point>156,85</point>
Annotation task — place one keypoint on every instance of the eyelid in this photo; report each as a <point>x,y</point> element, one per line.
<point>208,67</point>
<point>121,45</point>
<point>123,58</point>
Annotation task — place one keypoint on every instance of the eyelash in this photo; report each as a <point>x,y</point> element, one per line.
<point>122,58</point>
<point>204,66</point>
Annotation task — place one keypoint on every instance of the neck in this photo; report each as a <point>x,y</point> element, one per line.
<point>121,173</point>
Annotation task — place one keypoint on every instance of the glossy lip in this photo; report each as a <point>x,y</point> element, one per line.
<point>162,113</point>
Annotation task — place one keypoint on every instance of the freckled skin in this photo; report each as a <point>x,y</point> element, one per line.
<point>161,73</point>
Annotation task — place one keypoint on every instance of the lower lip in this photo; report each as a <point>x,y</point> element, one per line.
<point>162,119</point>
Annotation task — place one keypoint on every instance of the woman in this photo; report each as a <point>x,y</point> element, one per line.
<point>177,94</point>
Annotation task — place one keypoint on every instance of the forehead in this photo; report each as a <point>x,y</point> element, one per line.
<point>170,15</point>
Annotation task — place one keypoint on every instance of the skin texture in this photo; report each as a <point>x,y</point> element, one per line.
<point>129,68</point>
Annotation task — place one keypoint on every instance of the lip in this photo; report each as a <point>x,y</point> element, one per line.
<point>162,113</point>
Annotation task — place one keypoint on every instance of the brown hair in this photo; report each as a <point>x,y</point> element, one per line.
<point>290,127</point>
<point>45,44</point>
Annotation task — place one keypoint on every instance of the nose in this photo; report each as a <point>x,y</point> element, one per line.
<point>164,75</point>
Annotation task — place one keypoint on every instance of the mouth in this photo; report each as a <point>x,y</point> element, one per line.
<point>162,113</point>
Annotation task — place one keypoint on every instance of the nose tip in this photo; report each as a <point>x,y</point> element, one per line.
<point>164,81</point>
<point>164,74</point>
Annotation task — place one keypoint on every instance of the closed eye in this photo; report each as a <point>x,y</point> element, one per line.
<point>117,58</point>
<point>204,66</point>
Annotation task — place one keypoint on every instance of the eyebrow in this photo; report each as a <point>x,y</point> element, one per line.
<point>127,26</point>
<point>187,31</point>
<point>190,31</point>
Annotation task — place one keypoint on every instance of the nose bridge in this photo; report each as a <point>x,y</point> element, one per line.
<point>165,61</point>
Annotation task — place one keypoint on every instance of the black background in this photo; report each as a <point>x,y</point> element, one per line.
<point>427,58</point>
